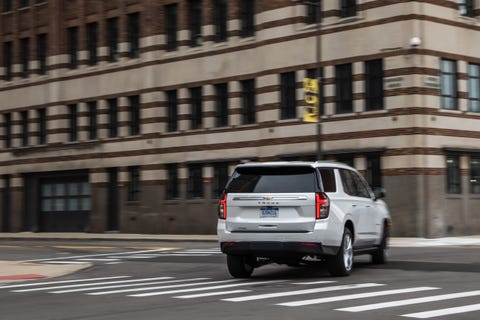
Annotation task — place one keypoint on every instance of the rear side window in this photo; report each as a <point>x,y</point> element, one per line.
<point>272,180</point>
<point>328,180</point>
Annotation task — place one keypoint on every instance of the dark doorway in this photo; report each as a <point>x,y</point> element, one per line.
<point>6,204</point>
<point>112,223</point>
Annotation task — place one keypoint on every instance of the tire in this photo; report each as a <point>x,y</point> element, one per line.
<point>238,266</point>
<point>342,264</point>
<point>381,254</point>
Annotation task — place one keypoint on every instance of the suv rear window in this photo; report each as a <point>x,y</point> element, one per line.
<point>272,180</point>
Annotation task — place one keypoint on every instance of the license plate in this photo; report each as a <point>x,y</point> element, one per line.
<point>268,212</point>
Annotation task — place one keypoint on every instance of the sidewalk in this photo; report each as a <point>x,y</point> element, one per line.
<point>12,271</point>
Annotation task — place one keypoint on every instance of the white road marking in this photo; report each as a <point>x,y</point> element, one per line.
<point>127,285</point>
<point>99,259</point>
<point>411,301</point>
<point>210,294</point>
<point>443,312</point>
<point>314,282</point>
<point>64,262</point>
<point>160,287</point>
<point>98,255</point>
<point>354,296</point>
<point>300,292</point>
<point>90,284</point>
<point>201,289</point>
<point>59,282</point>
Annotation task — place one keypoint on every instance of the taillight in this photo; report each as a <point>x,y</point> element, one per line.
<point>222,207</point>
<point>322,206</point>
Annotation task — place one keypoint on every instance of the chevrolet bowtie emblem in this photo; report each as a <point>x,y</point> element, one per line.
<point>267,198</point>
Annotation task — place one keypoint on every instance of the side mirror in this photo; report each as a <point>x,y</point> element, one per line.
<point>379,193</point>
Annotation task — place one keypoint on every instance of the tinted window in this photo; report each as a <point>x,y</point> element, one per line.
<point>328,180</point>
<point>353,184</point>
<point>272,180</point>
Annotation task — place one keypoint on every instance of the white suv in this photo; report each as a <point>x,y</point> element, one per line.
<point>296,212</point>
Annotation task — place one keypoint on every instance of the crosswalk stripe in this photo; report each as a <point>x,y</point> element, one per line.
<point>313,282</point>
<point>443,312</point>
<point>127,285</point>
<point>97,255</point>
<point>59,282</point>
<point>64,262</point>
<point>210,294</point>
<point>354,296</point>
<point>149,294</point>
<point>300,292</point>
<point>160,287</point>
<point>99,259</point>
<point>405,302</point>
<point>90,284</point>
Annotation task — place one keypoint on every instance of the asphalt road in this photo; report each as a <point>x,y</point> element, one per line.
<point>165,280</point>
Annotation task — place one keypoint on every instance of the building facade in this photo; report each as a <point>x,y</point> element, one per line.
<point>129,115</point>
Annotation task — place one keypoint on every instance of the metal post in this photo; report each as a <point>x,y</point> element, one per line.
<point>319,77</point>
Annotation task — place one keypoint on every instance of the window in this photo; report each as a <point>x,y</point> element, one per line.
<point>353,184</point>
<point>92,39</point>
<point>273,180</point>
<point>7,125</point>
<point>221,14</point>
<point>454,185</point>
<point>67,196</point>
<point>314,9</point>
<point>475,174</point>
<point>112,39</point>
<point>42,126</point>
<point>221,104</point>
<point>248,101</point>
<point>24,3</point>
<point>312,74</point>
<point>220,178</point>
<point>374,171</point>
<point>247,16</point>
<point>134,183</point>
<point>172,191</point>
<point>467,8</point>
<point>195,181</point>
<point>7,60</point>
<point>134,35</point>
<point>73,46</point>
<point>374,85</point>
<point>73,121</point>
<point>288,99</point>
<point>172,114</point>
<point>92,120</point>
<point>113,118</point>
<point>7,5</point>
<point>24,125</point>
<point>42,53</point>
<point>171,26</point>
<point>25,52</point>
<point>348,8</point>
<point>448,83</point>
<point>195,22</point>
<point>328,180</point>
<point>343,88</point>
<point>196,107</point>
<point>474,87</point>
<point>134,102</point>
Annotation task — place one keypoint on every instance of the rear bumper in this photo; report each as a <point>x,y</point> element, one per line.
<point>276,249</point>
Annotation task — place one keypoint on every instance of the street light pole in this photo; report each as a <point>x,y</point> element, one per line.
<point>318,21</point>
<point>318,70</point>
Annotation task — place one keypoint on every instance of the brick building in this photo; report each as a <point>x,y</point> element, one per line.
<point>129,115</point>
